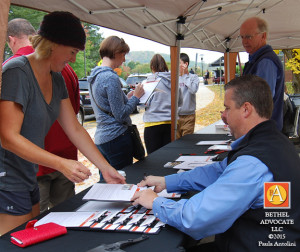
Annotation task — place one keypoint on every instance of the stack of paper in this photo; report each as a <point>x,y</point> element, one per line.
<point>119,192</point>
<point>190,162</point>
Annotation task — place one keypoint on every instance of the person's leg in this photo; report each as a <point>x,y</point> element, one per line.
<point>151,139</point>
<point>61,189</point>
<point>165,134</point>
<point>188,124</point>
<point>179,127</point>
<point>17,208</point>
<point>9,222</point>
<point>44,183</point>
<point>157,136</point>
<point>118,151</point>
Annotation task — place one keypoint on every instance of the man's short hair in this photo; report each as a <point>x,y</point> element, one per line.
<point>185,58</point>
<point>111,46</point>
<point>252,89</point>
<point>19,27</point>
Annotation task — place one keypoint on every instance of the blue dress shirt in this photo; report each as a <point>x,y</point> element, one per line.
<point>226,193</point>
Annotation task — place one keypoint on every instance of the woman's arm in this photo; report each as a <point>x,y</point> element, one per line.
<point>11,120</point>
<point>81,139</point>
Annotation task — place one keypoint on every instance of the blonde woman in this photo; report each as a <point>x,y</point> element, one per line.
<point>33,96</point>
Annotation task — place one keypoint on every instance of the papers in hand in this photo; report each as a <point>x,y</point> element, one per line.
<point>148,88</point>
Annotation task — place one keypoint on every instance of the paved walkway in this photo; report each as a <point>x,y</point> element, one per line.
<point>204,96</point>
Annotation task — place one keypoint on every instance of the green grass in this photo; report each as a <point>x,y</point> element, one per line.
<point>211,113</point>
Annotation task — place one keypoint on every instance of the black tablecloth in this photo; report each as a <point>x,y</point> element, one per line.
<point>167,240</point>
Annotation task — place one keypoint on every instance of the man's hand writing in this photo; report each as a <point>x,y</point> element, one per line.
<point>144,198</point>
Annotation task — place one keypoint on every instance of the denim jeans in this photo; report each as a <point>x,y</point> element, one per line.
<point>118,152</point>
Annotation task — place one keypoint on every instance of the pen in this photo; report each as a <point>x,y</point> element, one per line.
<point>219,152</point>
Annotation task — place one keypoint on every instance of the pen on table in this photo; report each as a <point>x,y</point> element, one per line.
<point>187,154</point>
<point>219,152</point>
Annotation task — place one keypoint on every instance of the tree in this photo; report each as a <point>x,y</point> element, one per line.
<point>293,63</point>
<point>85,61</point>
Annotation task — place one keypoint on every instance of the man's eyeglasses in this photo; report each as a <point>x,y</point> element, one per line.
<point>249,37</point>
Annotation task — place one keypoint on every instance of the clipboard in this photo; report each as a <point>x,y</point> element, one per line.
<point>149,87</point>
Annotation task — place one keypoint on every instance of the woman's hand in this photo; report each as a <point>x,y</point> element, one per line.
<point>111,176</point>
<point>130,94</point>
<point>138,91</point>
<point>74,170</point>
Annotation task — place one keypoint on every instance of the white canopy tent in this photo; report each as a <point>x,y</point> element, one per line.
<point>209,24</point>
<point>205,24</point>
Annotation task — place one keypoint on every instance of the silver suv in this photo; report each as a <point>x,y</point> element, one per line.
<point>134,79</point>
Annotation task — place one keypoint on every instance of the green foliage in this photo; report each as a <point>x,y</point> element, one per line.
<point>132,64</point>
<point>289,88</point>
<point>143,56</point>
<point>294,62</point>
<point>81,67</point>
<point>141,68</point>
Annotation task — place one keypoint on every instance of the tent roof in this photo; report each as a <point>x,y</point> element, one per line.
<point>209,24</point>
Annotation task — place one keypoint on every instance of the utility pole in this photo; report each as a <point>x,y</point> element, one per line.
<point>196,62</point>
<point>201,55</point>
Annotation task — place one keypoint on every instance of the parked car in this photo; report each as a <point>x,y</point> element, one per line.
<point>134,79</point>
<point>125,87</point>
<point>85,101</point>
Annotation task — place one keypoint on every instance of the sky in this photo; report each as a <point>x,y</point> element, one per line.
<point>141,44</point>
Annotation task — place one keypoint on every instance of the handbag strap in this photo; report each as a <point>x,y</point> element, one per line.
<point>91,89</point>
<point>102,109</point>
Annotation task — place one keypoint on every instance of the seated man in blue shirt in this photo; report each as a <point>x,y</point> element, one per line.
<point>231,192</point>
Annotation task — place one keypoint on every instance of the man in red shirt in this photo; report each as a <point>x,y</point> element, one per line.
<point>54,186</point>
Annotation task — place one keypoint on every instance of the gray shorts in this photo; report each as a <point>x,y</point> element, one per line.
<point>18,203</point>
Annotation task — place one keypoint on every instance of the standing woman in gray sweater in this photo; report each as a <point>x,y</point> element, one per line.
<point>111,106</point>
<point>157,116</point>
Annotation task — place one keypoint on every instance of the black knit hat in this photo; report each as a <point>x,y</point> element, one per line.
<point>63,28</point>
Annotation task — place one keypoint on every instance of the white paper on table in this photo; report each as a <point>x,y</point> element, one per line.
<point>214,142</point>
<point>222,125</point>
<point>165,194</point>
<point>148,88</point>
<point>195,158</point>
<point>220,147</point>
<point>96,206</point>
<point>111,192</point>
<point>68,219</point>
<point>187,165</point>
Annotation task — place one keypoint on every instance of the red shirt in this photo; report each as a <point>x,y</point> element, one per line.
<point>22,51</point>
<point>56,140</point>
